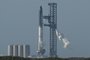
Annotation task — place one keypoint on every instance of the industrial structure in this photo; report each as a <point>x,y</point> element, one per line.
<point>54,34</point>
<point>51,19</point>
<point>10,50</point>
<point>15,50</point>
<point>26,51</point>
<point>19,50</point>
<point>52,24</point>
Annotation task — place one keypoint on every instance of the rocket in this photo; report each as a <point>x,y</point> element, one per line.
<point>41,49</point>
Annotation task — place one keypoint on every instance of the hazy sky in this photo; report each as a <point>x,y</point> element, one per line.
<point>19,25</point>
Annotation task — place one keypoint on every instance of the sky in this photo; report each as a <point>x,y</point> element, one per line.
<point>19,25</point>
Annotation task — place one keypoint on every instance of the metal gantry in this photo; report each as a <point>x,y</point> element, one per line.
<point>53,27</point>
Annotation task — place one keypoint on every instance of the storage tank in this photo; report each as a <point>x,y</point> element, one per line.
<point>20,50</point>
<point>15,50</point>
<point>10,50</point>
<point>26,51</point>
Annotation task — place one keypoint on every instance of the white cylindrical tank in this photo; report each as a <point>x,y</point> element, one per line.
<point>15,50</point>
<point>20,50</point>
<point>10,50</point>
<point>26,51</point>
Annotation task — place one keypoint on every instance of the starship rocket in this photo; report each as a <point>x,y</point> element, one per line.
<point>41,49</point>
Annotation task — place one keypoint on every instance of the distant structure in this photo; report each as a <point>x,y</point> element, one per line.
<point>15,50</point>
<point>10,50</point>
<point>26,51</point>
<point>52,24</point>
<point>19,50</point>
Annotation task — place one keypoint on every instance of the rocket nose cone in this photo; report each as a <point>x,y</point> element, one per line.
<point>40,7</point>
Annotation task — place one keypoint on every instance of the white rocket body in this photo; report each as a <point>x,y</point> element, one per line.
<point>40,42</point>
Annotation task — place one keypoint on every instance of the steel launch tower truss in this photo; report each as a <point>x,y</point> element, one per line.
<point>52,20</point>
<point>53,27</point>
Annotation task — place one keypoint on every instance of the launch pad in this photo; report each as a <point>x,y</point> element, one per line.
<point>51,20</point>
